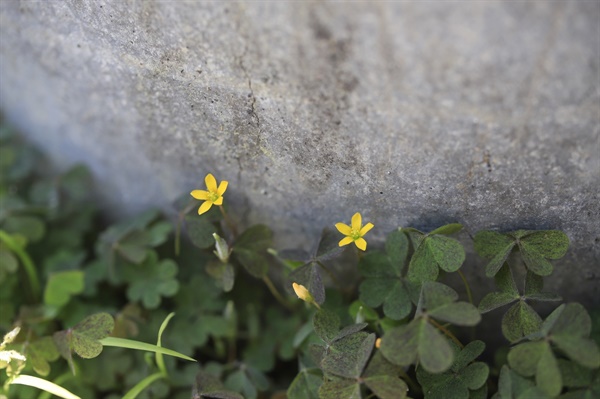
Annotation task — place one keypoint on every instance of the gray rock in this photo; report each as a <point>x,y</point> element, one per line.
<point>415,114</point>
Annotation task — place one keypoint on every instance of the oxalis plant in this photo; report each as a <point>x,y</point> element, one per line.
<point>190,304</point>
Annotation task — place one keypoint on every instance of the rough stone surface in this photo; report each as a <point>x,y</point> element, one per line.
<point>413,113</point>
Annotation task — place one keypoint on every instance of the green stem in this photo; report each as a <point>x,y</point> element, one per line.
<point>467,287</point>
<point>26,261</point>
<point>276,293</point>
<point>446,332</point>
<point>411,383</point>
<point>143,384</point>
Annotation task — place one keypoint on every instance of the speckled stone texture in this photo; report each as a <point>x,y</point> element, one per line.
<point>413,113</point>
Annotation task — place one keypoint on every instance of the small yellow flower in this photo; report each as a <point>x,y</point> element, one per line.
<point>302,292</point>
<point>213,195</point>
<point>355,233</point>
<point>378,343</point>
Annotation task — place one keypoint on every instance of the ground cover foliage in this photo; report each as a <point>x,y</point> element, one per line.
<point>182,305</point>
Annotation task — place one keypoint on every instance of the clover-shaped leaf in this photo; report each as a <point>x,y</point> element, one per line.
<point>152,280</point>
<point>520,319</point>
<point>250,249</point>
<point>462,377</point>
<point>568,328</point>
<point>383,282</point>
<point>40,352</point>
<point>306,384</point>
<point>200,231</point>
<point>84,337</point>
<point>61,286</point>
<point>327,327</point>
<point>420,340</point>
<point>535,248</point>
<point>246,380</point>
<point>210,387</point>
<point>434,251</point>
<point>512,386</point>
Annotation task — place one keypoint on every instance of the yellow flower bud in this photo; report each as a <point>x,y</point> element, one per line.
<point>302,293</point>
<point>378,343</point>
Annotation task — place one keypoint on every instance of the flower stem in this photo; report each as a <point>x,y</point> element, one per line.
<point>30,269</point>
<point>467,287</point>
<point>228,220</point>
<point>275,293</point>
<point>446,332</point>
<point>180,217</point>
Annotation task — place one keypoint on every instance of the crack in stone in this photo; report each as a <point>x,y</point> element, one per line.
<point>253,103</point>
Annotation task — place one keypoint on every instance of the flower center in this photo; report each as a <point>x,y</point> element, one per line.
<point>213,196</point>
<point>355,234</point>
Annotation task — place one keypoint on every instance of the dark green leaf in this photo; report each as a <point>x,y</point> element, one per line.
<point>306,385</point>
<point>447,252</point>
<point>200,231</point>
<point>61,286</point>
<point>310,277</point>
<point>498,261</point>
<point>422,266</point>
<point>223,273</point>
<point>400,345</point>
<point>547,376</point>
<point>251,249</point>
<point>533,283</point>
<point>348,330</point>
<point>524,357</point>
<point>520,320</point>
<point>505,281</point>
<point>436,294</point>
<point>534,261</point>
<point>447,229</point>
<point>348,356</point>
<point>339,388</point>
<point>494,300</point>
<point>575,375</point>
<point>152,280</point>
<point>489,243</point>
<point>573,320</point>
<point>475,375</point>
<point>397,304</point>
<point>396,247</point>
<point>40,352</point>
<point>551,244</point>
<point>469,353</point>
<point>435,354</point>
<point>387,386</point>
<point>326,325</point>
<point>459,313</point>
<point>582,350</point>
<point>30,227</point>
<point>511,385</point>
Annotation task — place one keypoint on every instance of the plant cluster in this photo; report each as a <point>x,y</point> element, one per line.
<point>380,323</point>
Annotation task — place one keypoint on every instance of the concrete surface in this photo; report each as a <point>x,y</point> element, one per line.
<point>413,113</point>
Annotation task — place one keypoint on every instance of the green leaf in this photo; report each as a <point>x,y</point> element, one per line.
<point>494,300</point>
<point>8,264</point>
<point>534,261</point>
<point>223,273</point>
<point>572,319</point>
<point>434,295</point>
<point>339,388</point>
<point>44,385</point>
<point>62,286</point>
<point>309,276</point>
<point>524,357</point>
<point>475,375</point>
<point>382,378</point>
<point>400,345</point>
<point>547,376</point>
<point>488,244</point>
<point>435,354</point>
<point>520,320</point>
<point>396,247</point>
<point>40,352</point>
<point>251,249</point>
<point>469,353</point>
<point>200,231</point>
<point>551,244</point>
<point>459,313</point>
<point>152,280</point>
<point>326,325</point>
<point>141,346</point>
<point>348,356</point>
<point>582,350</point>
<point>30,227</point>
<point>306,384</point>
<point>511,385</point>
<point>422,266</point>
<point>447,252</point>
<point>447,229</point>
<point>143,384</point>
<point>84,338</point>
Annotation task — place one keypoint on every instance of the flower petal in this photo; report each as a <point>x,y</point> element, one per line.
<point>211,183</point>
<point>366,229</point>
<point>361,244</point>
<point>222,187</point>
<point>345,241</point>
<point>219,201</point>
<point>200,194</point>
<point>343,228</point>
<point>356,221</point>
<point>204,207</point>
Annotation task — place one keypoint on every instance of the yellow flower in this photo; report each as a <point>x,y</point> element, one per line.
<point>355,233</point>
<point>378,343</point>
<point>302,292</point>
<point>213,195</point>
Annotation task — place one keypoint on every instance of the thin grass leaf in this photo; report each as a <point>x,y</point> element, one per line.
<point>141,346</point>
<point>44,385</point>
<point>143,384</point>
